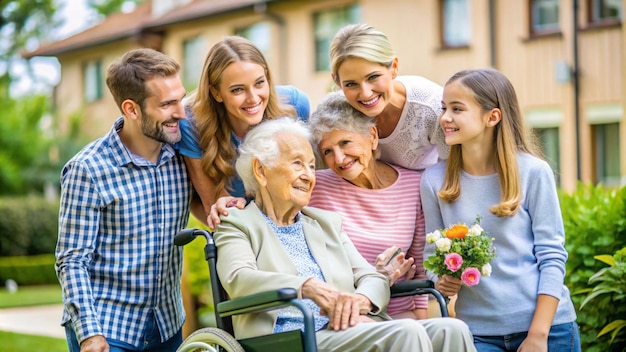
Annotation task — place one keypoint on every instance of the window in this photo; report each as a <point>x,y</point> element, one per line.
<point>92,80</point>
<point>327,23</point>
<point>544,16</point>
<point>260,34</point>
<point>606,143</point>
<point>194,52</point>
<point>605,11</point>
<point>456,25</point>
<point>550,144</point>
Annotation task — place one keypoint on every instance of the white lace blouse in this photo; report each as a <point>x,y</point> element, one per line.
<point>417,142</point>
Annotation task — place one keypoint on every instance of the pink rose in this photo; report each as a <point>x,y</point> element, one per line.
<point>453,261</point>
<point>470,276</point>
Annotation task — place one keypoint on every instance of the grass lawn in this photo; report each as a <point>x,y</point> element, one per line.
<point>31,296</point>
<point>13,342</point>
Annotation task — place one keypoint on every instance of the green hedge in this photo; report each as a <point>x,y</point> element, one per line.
<point>28,226</point>
<point>595,223</point>
<point>28,270</point>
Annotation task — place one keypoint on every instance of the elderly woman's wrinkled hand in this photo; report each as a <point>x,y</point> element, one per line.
<point>343,309</point>
<point>219,208</point>
<point>394,265</point>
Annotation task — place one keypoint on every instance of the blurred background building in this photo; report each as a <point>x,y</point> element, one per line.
<point>564,57</point>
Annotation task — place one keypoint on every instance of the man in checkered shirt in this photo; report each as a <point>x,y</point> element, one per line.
<point>123,198</point>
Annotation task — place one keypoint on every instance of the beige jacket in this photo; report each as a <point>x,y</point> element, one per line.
<point>251,259</point>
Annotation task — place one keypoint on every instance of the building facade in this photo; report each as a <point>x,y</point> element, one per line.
<point>564,57</point>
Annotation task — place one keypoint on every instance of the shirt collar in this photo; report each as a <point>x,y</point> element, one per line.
<point>123,156</point>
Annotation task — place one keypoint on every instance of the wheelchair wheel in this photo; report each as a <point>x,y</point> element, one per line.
<point>210,340</point>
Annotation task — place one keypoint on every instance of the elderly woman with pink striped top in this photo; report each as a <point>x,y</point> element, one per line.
<point>379,203</point>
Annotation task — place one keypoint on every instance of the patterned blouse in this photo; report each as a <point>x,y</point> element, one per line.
<point>294,243</point>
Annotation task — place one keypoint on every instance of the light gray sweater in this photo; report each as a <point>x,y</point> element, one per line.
<point>530,247</point>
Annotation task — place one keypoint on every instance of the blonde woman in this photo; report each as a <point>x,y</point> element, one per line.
<point>235,92</point>
<point>406,108</point>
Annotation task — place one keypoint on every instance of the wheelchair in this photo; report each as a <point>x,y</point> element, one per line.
<point>221,338</point>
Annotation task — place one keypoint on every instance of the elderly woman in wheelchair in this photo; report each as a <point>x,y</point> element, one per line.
<point>277,241</point>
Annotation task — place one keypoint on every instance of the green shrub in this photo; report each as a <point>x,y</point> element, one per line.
<point>28,270</point>
<point>28,226</point>
<point>43,225</point>
<point>595,223</point>
<point>609,288</point>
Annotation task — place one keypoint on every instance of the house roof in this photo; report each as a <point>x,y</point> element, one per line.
<point>126,25</point>
<point>197,9</point>
<point>114,27</point>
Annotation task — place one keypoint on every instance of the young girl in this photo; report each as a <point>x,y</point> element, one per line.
<point>494,171</point>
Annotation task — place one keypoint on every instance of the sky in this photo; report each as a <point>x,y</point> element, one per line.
<point>75,16</point>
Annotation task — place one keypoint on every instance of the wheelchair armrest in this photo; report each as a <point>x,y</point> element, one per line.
<point>410,286</point>
<point>269,300</point>
<point>420,287</point>
<point>257,302</point>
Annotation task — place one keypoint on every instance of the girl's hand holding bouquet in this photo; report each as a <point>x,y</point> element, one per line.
<point>462,252</point>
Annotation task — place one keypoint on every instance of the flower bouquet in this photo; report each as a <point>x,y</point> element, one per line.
<point>461,251</point>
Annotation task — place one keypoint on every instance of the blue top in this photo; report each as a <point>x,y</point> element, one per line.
<point>115,258</point>
<point>292,239</point>
<point>298,99</point>
<point>529,246</point>
<point>189,144</point>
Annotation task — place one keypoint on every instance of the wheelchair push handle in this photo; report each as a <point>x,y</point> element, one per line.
<point>187,235</point>
<point>184,237</point>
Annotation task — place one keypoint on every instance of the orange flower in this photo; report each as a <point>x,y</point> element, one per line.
<point>457,231</point>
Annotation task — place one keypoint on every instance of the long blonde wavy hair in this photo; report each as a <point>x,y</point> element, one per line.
<point>491,89</point>
<point>211,117</point>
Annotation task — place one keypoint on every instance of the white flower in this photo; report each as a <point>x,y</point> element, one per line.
<point>443,244</point>
<point>486,270</point>
<point>475,230</point>
<point>433,236</point>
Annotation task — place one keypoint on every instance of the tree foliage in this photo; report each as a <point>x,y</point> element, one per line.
<point>21,140</point>
<point>22,24</point>
<point>107,7</point>
<point>31,152</point>
<point>26,23</point>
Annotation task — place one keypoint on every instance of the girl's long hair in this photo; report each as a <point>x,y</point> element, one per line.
<point>211,117</point>
<point>491,89</point>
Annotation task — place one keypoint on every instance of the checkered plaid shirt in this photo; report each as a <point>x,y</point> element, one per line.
<point>116,260</point>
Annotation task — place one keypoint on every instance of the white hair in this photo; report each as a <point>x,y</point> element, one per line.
<point>261,143</point>
<point>335,113</point>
